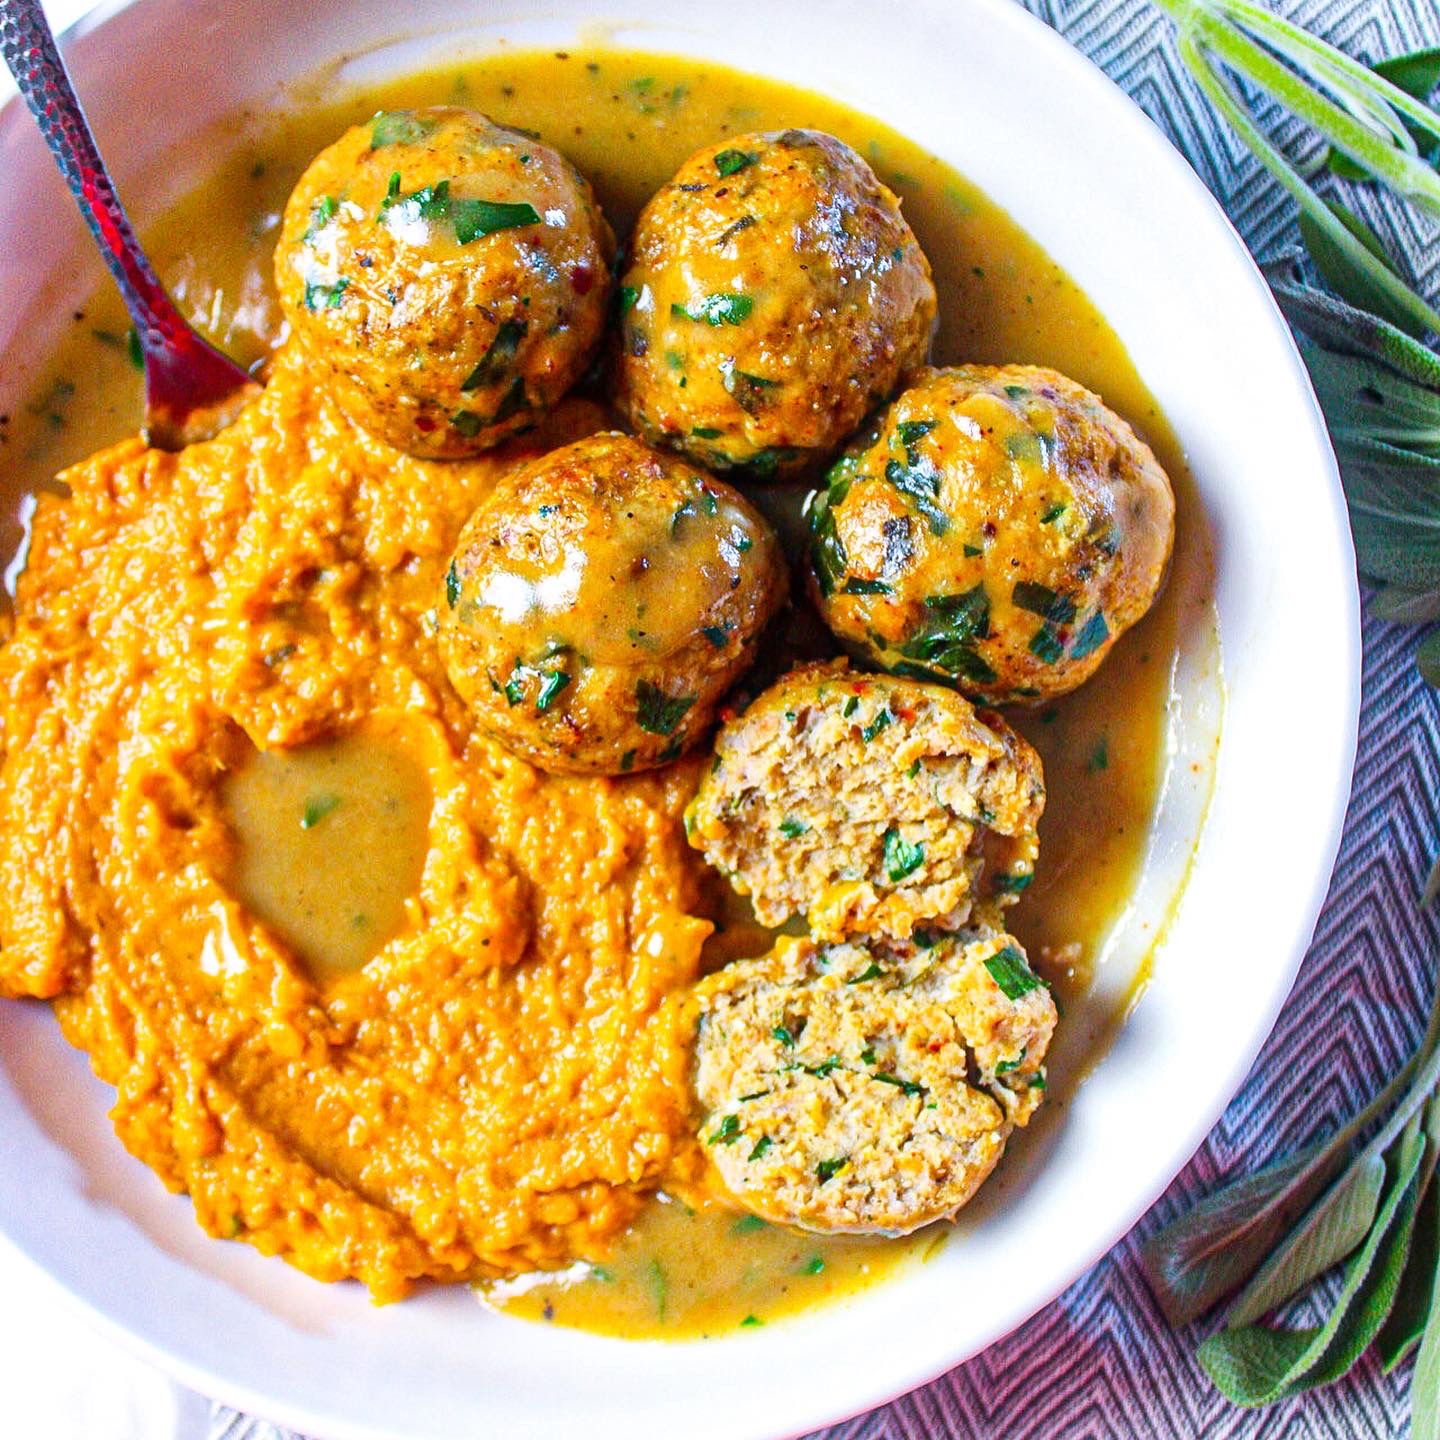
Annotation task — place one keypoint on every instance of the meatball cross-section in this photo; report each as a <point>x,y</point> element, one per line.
<point>869,1087</point>
<point>870,804</point>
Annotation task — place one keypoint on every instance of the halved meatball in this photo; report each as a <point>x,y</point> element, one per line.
<point>450,277</point>
<point>774,294</point>
<point>998,528</point>
<point>869,803</point>
<point>602,600</point>
<point>869,1086</point>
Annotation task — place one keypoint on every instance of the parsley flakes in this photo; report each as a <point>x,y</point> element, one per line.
<point>471,219</point>
<point>399,127</point>
<point>1041,600</point>
<point>878,724</point>
<point>495,363</point>
<point>1093,634</point>
<point>1012,973</point>
<point>317,807</point>
<point>727,1132</point>
<point>729,162</point>
<point>901,857</point>
<point>722,308</point>
<point>658,712</point>
<point>322,296</point>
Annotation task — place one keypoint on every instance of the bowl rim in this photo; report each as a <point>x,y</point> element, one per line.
<point>1099,91</point>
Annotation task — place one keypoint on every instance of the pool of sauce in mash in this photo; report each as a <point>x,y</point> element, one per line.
<point>332,837</point>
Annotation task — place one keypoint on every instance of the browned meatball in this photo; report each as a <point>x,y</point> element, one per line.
<point>451,277</point>
<point>998,528</point>
<point>774,295</point>
<point>600,603</point>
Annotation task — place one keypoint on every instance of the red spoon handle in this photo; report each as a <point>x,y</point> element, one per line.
<point>190,387</point>
<point>34,59</point>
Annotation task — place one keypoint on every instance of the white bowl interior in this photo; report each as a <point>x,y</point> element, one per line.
<point>992,91</point>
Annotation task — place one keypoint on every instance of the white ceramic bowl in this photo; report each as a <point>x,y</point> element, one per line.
<point>994,92</point>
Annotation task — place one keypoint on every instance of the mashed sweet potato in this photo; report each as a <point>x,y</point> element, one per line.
<point>499,1087</point>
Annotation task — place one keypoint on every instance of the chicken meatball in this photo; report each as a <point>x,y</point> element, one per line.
<point>774,294</point>
<point>868,1086</point>
<point>998,529</point>
<point>870,803</point>
<point>600,603</point>
<point>450,277</point>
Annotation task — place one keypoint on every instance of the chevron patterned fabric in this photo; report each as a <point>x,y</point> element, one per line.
<point>1100,1362</point>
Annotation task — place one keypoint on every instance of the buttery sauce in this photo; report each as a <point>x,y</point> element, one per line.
<point>332,838</point>
<point>605,588</point>
<point>701,1271</point>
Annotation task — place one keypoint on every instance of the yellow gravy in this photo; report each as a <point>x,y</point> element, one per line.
<point>331,838</point>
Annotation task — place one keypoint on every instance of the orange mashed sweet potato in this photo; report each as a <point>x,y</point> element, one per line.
<point>501,1085</point>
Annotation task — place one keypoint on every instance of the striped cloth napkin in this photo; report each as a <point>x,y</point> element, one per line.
<point>1099,1362</point>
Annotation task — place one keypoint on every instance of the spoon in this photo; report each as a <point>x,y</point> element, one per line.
<point>191,389</point>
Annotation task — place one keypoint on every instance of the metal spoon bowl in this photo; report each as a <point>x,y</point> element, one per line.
<point>191,389</point>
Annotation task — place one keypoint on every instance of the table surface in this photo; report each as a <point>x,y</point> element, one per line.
<point>1099,1362</point>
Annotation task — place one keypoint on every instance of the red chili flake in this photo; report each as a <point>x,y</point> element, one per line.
<point>424,424</point>
<point>582,277</point>
<point>988,529</point>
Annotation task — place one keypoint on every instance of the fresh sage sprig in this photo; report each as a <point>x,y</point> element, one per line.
<point>1380,391</point>
<point>1269,1235</point>
<point>1366,1196</point>
<point>1368,119</point>
<point>1378,127</point>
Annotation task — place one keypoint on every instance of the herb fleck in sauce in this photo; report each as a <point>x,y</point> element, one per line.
<point>331,839</point>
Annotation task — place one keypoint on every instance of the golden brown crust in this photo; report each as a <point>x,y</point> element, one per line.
<point>449,276</point>
<point>999,527</point>
<point>601,602</point>
<point>774,294</point>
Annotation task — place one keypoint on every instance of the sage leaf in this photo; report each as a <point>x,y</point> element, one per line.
<point>1347,275</point>
<point>1254,1366</point>
<point>1338,326</point>
<point>1425,1382</point>
<point>1217,1245</point>
<point>1406,607</point>
<point>1333,1228</point>
<point>1380,391</point>
<point>1364,399</point>
<point>1406,1323</point>
<point>1428,658</point>
<point>1417,73</point>
<point>1394,512</point>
